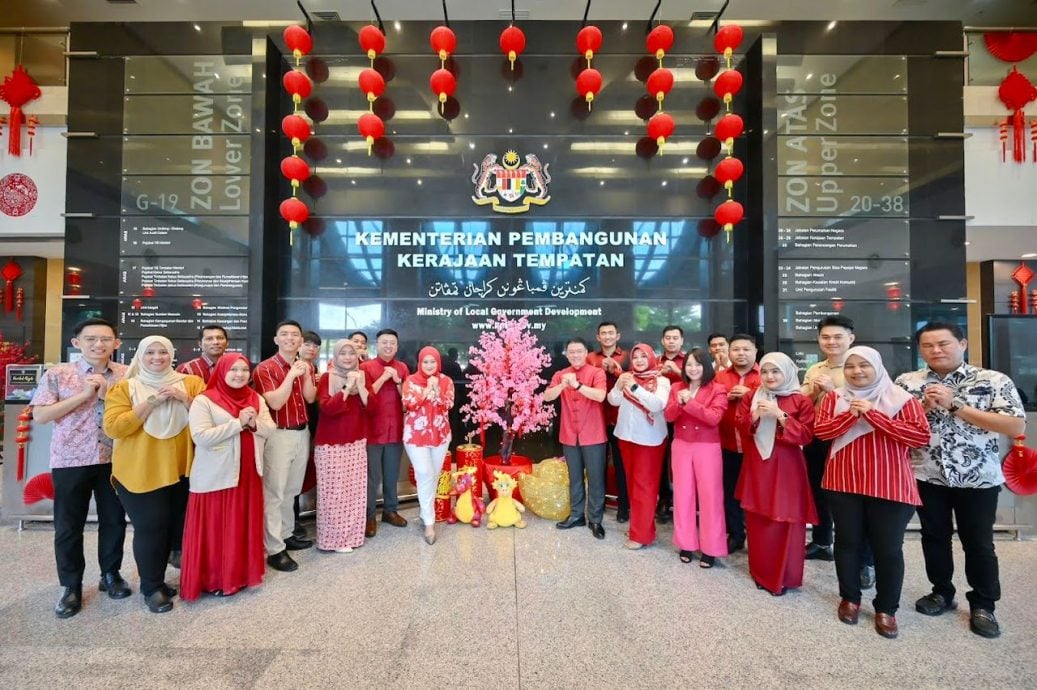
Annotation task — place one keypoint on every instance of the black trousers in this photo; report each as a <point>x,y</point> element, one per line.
<point>865,521</point>
<point>974,511</point>
<point>733,515</point>
<point>622,495</point>
<point>73,487</point>
<point>157,516</point>
<point>816,453</point>
<point>665,480</point>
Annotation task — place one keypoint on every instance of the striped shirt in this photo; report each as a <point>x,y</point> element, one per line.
<point>876,464</point>
<point>268,376</point>
<point>199,366</point>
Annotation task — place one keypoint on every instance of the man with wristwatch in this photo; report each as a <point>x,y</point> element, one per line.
<point>959,472</point>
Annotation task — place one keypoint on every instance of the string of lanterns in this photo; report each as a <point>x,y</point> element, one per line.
<point>370,126</point>
<point>659,83</point>
<point>443,82</point>
<point>296,128</point>
<point>588,42</point>
<point>728,171</point>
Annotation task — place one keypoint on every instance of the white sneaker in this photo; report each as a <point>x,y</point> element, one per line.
<point>347,549</point>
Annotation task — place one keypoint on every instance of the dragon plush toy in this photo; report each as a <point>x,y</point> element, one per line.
<point>468,508</point>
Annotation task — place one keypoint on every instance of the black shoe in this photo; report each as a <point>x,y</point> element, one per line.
<point>571,522</point>
<point>934,604</point>
<point>983,623</point>
<point>158,601</point>
<point>170,591</point>
<point>114,584</point>
<point>623,515</point>
<point>299,532</point>
<point>174,559</point>
<point>735,544</point>
<point>70,602</point>
<point>296,544</point>
<point>867,576</point>
<point>597,530</point>
<point>819,552</point>
<point>282,561</point>
<point>663,517</point>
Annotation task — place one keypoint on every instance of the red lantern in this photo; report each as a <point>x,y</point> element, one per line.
<point>727,41</point>
<point>74,280</point>
<point>443,41</point>
<point>372,41</point>
<point>659,41</point>
<point>11,272</point>
<point>728,172</point>
<point>837,304</point>
<point>296,128</point>
<point>370,127</point>
<point>729,128</point>
<point>588,42</point>
<point>297,84</point>
<point>197,303</point>
<point>372,83</point>
<point>443,84</point>
<point>295,169</point>
<point>136,304</point>
<point>659,83</point>
<point>588,84</point>
<point>727,85</point>
<point>147,291</point>
<point>512,43</point>
<point>294,211</point>
<point>660,127</point>
<point>729,214</point>
<point>298,41</point>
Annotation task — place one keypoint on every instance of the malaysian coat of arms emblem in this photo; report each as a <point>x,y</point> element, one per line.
<point>509,186</point>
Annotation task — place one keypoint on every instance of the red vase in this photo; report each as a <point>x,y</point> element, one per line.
<point>520,464</point>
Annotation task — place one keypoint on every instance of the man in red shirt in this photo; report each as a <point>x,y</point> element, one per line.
<point>581,387</point>
<point>385,376</point>
<point>612,359</point>
<point>671,365</point>
<point>286,383</point>
<point>740,379</point>
<point>212,341</point>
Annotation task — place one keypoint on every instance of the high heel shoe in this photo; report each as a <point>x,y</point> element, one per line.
<point>430,539</point>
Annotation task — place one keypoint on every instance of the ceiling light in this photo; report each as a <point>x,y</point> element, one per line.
<point>1031,255</point>
<point>831,25</point>
<point>197,28</point>
<point>396,25</point>
<point>624,26</point>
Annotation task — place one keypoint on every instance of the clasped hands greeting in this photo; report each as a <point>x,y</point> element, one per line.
<point>247,418</point>
<point>354,382</point>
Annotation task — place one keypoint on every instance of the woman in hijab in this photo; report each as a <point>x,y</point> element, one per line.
<point>223,535</point>
<point>340,452</point>
<point>775,422</point>
<point>146,415</point>
<point>696,406</point>
<point>873,425</point>
<point>427,399</point>
<point>641,394</point>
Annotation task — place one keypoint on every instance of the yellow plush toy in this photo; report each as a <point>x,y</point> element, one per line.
<point>504,511</point>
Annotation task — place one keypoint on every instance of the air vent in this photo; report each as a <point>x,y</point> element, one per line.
<point>327,16</point>
<point>519,14</point>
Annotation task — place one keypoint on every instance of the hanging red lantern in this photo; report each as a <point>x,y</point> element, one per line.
<point>443,42</point>
<point>443,84</point>
<point>298,41</point>
<point>659,83</point>
<point>298,85</point>
<point>727,85</point>
<point>729,128</point>
<point>370,127</point>
<point>74,281</point>
<point>588,42</point>
<point>729,214</point>
<point>660,128</point>
<point>296,128</point>
<point>838,304</point>
<point>727,40</point>
<point>295,169</point>
<point>512,43</point>
<point>11,272</point>
<point>659,41</point>
<point>372,83</point>
<point>294,211</point>
<point>147,291</point>
<point>728,172</point>
<point>588,84</point>
<point>136,304</point>
<point>372,41</point>
<point>197,303</point>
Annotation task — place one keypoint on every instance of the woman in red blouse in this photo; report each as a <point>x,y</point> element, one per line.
<point>871,489</point>
<point>340,452</point>
<point>775,422</point>
<point>427,399</point>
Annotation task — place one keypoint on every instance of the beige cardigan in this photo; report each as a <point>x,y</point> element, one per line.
<point>217,439</point>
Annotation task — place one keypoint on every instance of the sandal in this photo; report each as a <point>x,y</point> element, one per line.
<point>707,561</point>
<point>686,556</point>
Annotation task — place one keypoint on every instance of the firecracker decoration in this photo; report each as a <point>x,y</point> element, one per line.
<point>19,302</point>
<point>73,281</point>
<point>1002,127</point>
<point>512,41</point>
<point>1033,301</point>
<point>17,90</point>
<point>11,272</point>
<point>294,168</point>
<point>1016,91</point>
<point>1023,275</point>
<point>1033,140</point>
<point>22,439</point>
<point>33,123</point>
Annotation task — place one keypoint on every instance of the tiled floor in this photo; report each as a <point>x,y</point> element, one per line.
<point>533,608</point>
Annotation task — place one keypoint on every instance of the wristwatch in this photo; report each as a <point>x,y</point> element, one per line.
<point>955,406</point>
<point>579,385</point>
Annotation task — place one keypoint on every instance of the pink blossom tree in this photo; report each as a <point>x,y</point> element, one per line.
<point>506,389</point>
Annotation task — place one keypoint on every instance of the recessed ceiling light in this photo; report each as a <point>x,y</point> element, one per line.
<point>396,25</point>
<point>1031,255</point>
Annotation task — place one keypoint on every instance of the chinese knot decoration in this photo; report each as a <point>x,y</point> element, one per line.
<point>372,83</point>
<point>588,42</point>
<point>295,127</point>
<point>1017,299</point>
<point>1016,91</point>
<point>17,90</point>
<point>729,170</point>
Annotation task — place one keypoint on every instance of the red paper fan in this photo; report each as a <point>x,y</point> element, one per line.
<point>1011,46</point>
<point>38,488</point>
<point>1020,468</point>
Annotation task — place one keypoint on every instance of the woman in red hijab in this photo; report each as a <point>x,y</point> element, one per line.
<point>427,399</point>
<point>223,535</point>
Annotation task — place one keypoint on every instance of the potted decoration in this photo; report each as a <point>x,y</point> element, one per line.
<point>505,391</point>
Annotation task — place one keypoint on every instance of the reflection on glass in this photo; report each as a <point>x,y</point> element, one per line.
<point>558,272</point>
<point>649,259</point>
<point>470,229</point>
<point>365,261</point>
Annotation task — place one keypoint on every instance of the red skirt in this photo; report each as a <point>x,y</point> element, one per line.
<point>223,537</point>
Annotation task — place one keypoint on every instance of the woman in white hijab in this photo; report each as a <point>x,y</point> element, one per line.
<point>774,423</point>
<point>146,415</point>
<point>870,487</point>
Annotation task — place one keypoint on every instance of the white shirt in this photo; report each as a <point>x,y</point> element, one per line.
<point>632,424</point>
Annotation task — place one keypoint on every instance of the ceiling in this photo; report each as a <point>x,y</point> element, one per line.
<point>35,13</point>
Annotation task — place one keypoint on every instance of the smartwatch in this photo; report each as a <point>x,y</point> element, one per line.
<point>579,386</point>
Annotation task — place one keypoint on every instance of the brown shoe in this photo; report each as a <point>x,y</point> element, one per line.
<point>371,529</point>
<point>849,612</point>
<point>886,625</point>
<point>394,519</point>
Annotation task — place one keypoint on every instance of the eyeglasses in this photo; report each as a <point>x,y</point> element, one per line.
<point>91,339</point>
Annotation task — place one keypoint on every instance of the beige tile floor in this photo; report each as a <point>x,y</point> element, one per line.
<point>533,608</point>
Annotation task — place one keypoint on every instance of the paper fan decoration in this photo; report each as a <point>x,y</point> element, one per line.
<point>1020,468</point>
<point>1011,46</point>
<point>39,488</point>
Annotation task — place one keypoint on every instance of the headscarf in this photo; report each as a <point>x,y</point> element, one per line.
<point>338,375</point>
<point>233,400</point>
<point>883,394</point>
<point>767,427</point>
<point>419,378</point>
<point>647,379</point>
<point>168,419</point>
